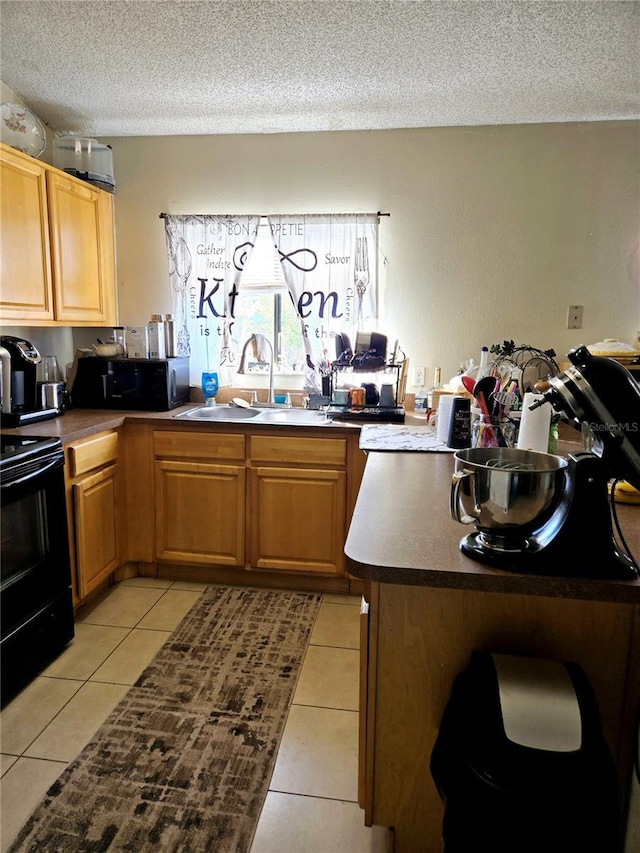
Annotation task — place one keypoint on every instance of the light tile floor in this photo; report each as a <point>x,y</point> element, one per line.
<point>311,806</point>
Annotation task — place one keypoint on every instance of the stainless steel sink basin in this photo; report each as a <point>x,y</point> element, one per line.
<point>219,413</point>
<point>301,417</point>
<point>234,414</point>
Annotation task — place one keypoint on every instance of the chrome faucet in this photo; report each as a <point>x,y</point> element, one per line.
<point>256,341</point>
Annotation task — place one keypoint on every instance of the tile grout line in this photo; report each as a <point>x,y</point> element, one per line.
<point>83,682</point>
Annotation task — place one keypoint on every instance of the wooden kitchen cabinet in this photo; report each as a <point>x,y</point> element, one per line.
<point>82,251</point>
<point>199,498</point>
<point>270,501</point>
<point>297,504</point>
<point>57,246</point>
<point>26,290</point>
<point>93,490</point>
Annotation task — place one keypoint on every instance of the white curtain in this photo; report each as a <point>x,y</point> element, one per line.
<point>330,264</point>
<point>206,257</point>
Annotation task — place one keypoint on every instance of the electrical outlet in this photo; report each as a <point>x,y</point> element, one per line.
<point>418,375</point>
<point>574,317</point>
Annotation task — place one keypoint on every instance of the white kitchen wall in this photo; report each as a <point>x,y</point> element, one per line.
<point>493,233</point>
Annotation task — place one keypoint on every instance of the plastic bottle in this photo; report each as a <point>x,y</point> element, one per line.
<point>420,401</point>
<point>483,369</point>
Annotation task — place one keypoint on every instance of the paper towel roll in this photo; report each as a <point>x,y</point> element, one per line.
<point>445,407</point>
<point>534,426</point>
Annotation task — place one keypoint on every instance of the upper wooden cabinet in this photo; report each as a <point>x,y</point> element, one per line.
<point>26,292</point>
<point>57,251</point>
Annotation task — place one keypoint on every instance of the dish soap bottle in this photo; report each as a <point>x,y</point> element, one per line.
<point>420,402</point>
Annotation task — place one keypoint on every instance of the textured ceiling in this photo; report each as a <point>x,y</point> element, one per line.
<point>112,68</point>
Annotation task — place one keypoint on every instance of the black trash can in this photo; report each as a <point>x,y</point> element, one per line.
<point>520,761</point>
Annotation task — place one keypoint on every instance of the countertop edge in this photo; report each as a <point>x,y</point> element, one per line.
<point>541,586</point>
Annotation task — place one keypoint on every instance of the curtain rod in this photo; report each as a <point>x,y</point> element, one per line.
<point>265,215</point>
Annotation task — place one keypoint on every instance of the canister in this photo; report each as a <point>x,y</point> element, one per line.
<point>356,396</point>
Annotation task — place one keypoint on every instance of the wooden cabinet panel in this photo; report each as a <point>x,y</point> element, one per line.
<point>420,638</point>
<point>297,519</point>
<point>198,445</point>
<point>200,512</point>
<point>25,273</point>
<point>303,450</point>
<point>82,284</point>
<point>95,503</point>
<point>89,454</point>
<point>94,507</point>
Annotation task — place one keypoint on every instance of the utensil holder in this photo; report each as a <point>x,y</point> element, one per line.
<point>488,431</point>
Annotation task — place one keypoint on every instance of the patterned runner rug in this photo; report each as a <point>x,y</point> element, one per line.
<point>184,761</point>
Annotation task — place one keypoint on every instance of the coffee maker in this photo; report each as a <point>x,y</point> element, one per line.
<point>20,404</point>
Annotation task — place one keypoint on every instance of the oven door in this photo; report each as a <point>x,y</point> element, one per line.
<point>36,611</point>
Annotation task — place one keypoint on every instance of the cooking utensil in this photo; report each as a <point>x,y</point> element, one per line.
<point>469,383</point>
<point>361,271</point>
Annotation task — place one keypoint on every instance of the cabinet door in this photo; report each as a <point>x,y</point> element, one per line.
<point>80,218</point>
<point>200,512</point>
<point>95,503</point>
<point>25,272</point>
<point>297,519</point>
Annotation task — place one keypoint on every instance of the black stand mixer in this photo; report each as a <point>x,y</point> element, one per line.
<point>540,514</point>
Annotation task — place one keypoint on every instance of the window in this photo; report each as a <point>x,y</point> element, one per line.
<point>264,306</point>
<point>297,279</point>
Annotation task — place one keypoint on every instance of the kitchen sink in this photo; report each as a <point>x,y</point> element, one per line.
<point>233,414</point>
<point>219,413</point>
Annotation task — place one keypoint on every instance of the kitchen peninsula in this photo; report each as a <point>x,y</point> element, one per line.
<point>430,606</point>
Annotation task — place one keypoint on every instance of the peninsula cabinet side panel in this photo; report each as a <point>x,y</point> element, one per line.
<point>425,638</point>
<point>139,500</point>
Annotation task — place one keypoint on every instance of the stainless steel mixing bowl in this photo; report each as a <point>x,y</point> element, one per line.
<point>507,493</point>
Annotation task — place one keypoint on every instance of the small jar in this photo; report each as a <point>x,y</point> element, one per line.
<point>487,431</point>
<point>356,396</point>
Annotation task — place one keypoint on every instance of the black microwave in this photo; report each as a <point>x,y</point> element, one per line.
<point>140,384</point>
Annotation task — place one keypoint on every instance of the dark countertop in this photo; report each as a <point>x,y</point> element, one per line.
<point>76,424</point>
<point>82,423</point>
<point>402,533</point>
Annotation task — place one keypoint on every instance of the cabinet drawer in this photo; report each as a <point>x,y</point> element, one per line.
<point>198,445</point>
<point>86,455</point>
<point>315,451</point>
